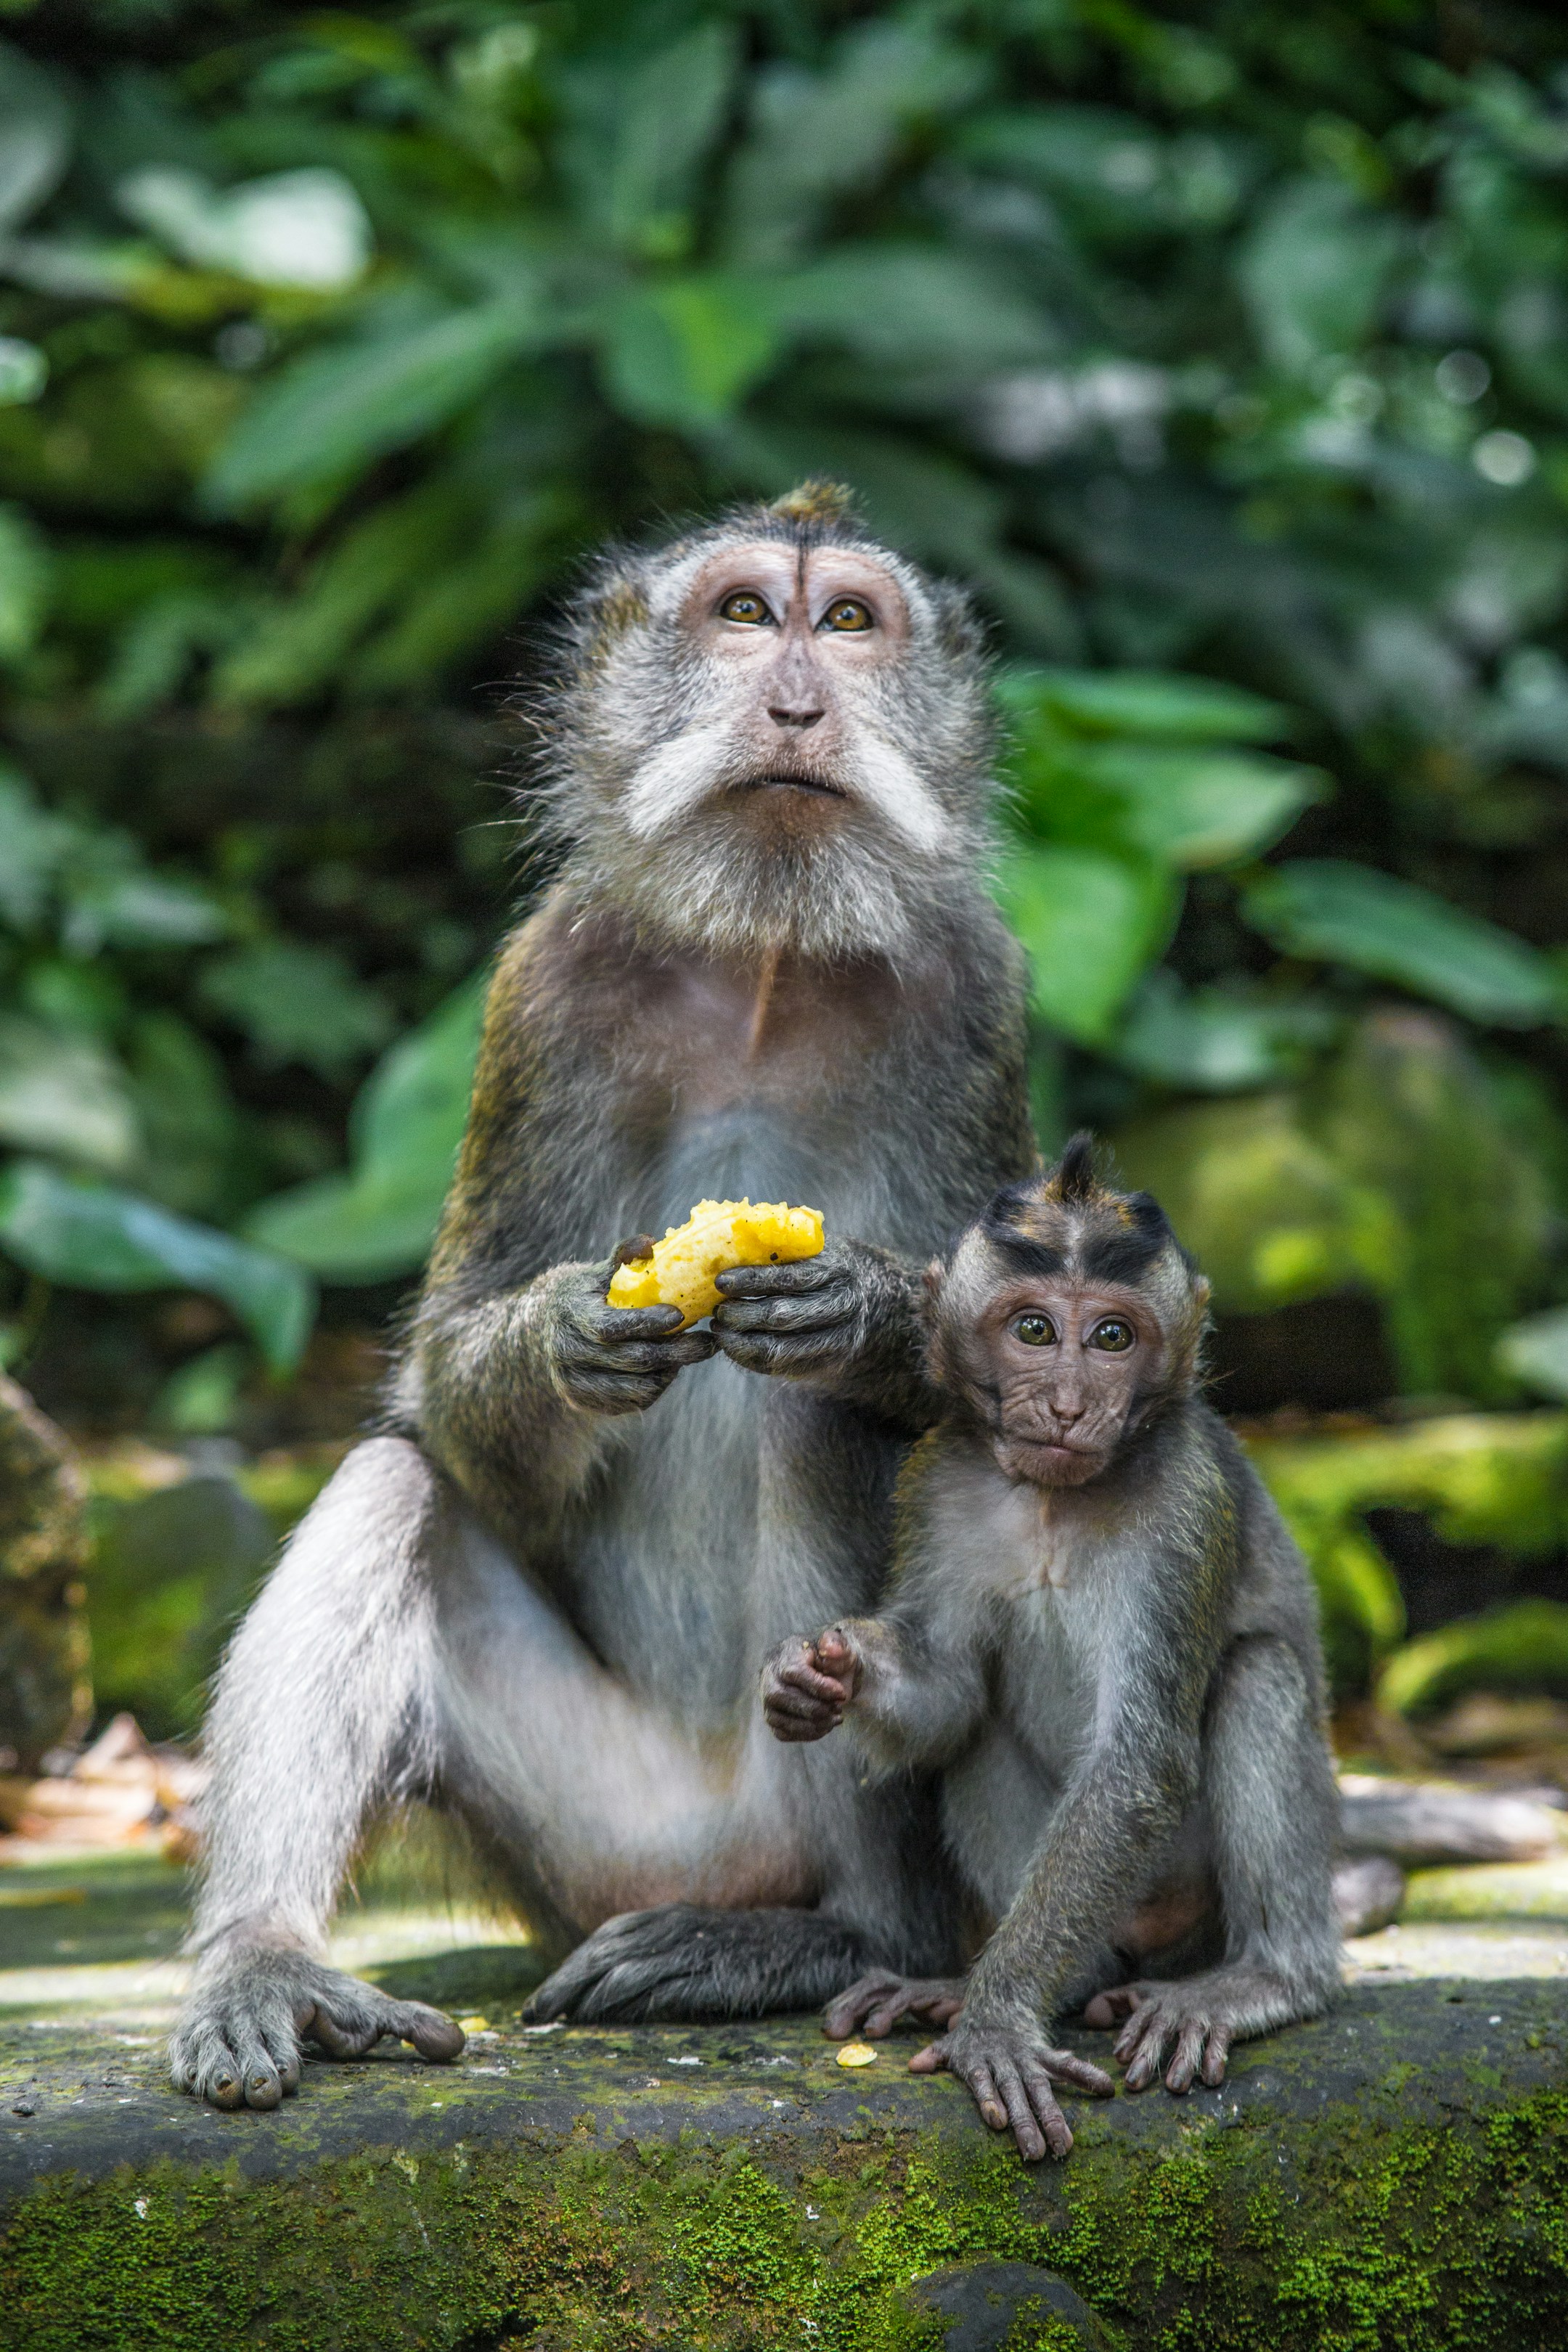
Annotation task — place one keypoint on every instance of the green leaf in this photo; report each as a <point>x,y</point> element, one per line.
<point>1523,1645</point>
<point>1090,924</point>
<point>641,130</point>
<point>187,1117</point>
<point>1217,1040</point>
<point>336,409</point>
<point>815,136</point>
<point>304,228</point>
<point>464,603</point>
<point>1535,1352</point>
<point>25,570</point>
<point>298,1003</point>
<point>1313,269</point>
<point>64,1093</point>
<point>1194,811</point>
<point>378,1222</point>
<point>134,909</point>
<point>399,547</point>
<point>684,352</point>
<point>35,136</point>
<point>93,1236</point>
<point>1339,913</point>
<point>1156,704</point>
<point>33,841</point>
<point>916,306</point>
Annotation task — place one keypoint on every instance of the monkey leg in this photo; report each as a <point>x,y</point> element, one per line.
<point>1271,1804</point>
<point>323,1710</point>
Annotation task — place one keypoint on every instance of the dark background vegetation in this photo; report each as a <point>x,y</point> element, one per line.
<point>1223,349</point>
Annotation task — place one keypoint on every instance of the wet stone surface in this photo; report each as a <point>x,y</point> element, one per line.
<point>1395,2173</point>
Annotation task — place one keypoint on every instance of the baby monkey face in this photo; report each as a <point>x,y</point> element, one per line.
<point>1069,1365</point>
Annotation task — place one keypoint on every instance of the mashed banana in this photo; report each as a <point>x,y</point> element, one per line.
<point>717,1235</point>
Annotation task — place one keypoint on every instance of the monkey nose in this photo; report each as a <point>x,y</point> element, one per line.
<point>782,717</point>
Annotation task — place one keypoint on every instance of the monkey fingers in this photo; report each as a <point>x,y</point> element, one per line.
<point>1011,2077</point>
<point>878,2002</point>
<point>792,1318</point>
<point>799,1701</point>
<point>614,1360</point>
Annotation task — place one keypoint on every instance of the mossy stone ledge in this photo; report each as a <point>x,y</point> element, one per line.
<point>1396,2174</point>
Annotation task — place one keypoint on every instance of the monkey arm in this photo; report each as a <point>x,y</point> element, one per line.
<point>851,1321</point>
<point>903,1706</point>
<point>513,1392</point>
<point>917,1701</point>
<point>516,1359</point>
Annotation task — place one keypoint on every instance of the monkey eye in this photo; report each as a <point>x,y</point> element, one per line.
<point>1035,1330</point>
<point>746,607</point>
<point>1114,1336</point>
<point>847,613</point>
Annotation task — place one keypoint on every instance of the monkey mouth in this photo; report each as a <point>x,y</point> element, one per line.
<point>1048,1459</point>
<point>793,785</point>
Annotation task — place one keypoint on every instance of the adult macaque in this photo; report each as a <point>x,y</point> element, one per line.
<point>1102,1633</point>
<point>767,966</point>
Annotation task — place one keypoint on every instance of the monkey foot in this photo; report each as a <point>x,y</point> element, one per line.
<point>1196,2018</point>
<point>874,2004</point>
<point>681,1962</point>
<point>239,2041</point>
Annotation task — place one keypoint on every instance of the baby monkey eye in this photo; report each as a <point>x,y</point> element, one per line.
<point>1035,1330</point>
<point>1114,1336</point>
<point>746,607</point>
<point>848,613</point>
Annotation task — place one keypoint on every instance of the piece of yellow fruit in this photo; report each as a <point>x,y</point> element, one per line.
<point>717,1235</point>
<point>856,2054</point>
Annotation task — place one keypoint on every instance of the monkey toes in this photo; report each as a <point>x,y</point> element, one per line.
<point>1166,2017</point>
<point>878,2002</point>
<point>238,2042</point>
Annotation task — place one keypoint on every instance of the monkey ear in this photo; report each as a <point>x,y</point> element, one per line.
<point>935,1276</point>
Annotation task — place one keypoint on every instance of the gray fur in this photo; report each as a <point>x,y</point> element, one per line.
<point>1121,1680</point>
<point>538,1599</point>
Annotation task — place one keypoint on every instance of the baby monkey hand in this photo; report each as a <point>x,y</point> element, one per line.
<point>807,1684</point>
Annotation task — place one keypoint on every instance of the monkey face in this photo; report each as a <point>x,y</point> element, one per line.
<point>791,657</point>
<point>775,733</point>
<point>1068,1366</point>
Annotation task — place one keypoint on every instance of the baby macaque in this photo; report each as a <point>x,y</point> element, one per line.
<point>1099,1631</point>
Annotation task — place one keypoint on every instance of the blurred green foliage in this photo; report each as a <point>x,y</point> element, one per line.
<point>1223,348</point>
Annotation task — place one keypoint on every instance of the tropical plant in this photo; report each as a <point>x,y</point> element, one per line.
<point>1223,349</point>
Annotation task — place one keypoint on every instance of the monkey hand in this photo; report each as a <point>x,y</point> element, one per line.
<point>604,1359</point>
<point>876,2003</point>
<point>829,1318</point>
<point>238,2042</point>
<point>1011,2073</point>
<point>806,1686</point>
<point>1201,2016</point>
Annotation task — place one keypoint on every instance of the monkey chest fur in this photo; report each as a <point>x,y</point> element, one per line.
<point>1057,1589</point>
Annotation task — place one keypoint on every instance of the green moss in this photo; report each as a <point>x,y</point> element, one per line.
<point>1265,2235</point>
<point>1498,1479</point>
